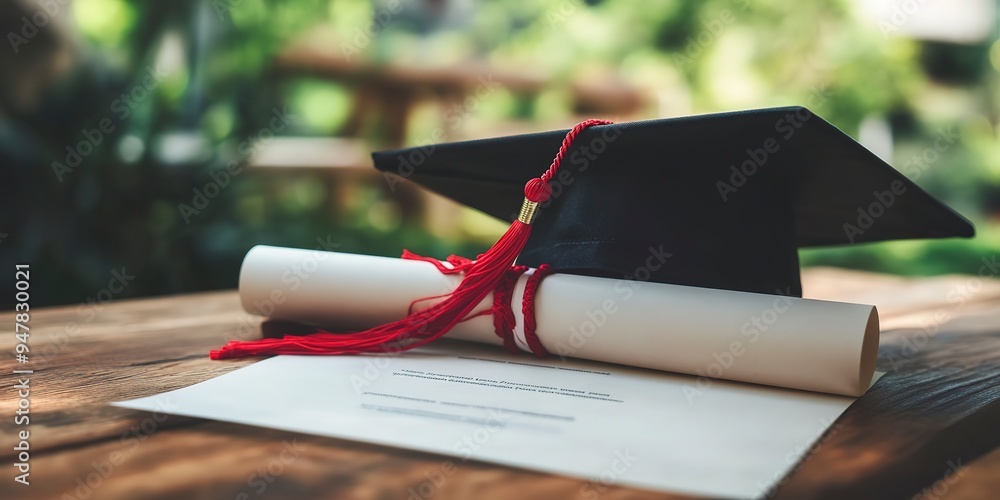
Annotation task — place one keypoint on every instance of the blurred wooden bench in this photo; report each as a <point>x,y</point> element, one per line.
<point>390,92</point>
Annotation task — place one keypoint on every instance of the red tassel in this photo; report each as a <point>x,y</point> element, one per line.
<point>420,327</point>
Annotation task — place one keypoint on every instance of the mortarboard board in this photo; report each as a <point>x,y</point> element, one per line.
<point>718,201</point>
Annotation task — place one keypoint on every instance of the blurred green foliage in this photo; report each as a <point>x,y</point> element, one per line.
<point>120,206</point>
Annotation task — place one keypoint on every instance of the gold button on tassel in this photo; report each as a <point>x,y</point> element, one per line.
<point>529,211</point>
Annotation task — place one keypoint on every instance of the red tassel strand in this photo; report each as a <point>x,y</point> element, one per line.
<point>528,309</point>
<point>420,327</point>
<point>503,315</point>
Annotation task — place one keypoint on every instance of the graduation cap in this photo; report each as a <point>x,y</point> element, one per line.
<point>719,201</point>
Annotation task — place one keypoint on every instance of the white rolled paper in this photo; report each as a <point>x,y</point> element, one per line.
<point>781,341</point>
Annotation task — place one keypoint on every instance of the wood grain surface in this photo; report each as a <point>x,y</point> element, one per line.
<point>928,428</point>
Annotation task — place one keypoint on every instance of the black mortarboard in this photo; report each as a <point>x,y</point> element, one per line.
<point>719,201</point>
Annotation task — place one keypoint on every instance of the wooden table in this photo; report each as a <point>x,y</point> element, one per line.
<point>930,425</point>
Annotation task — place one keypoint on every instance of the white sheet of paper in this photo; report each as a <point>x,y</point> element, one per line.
<point>604,423</point>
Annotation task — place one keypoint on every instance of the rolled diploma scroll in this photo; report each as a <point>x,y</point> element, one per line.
<point>789,342</point>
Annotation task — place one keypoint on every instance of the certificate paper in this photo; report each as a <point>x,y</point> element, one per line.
<point>603,423</point>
